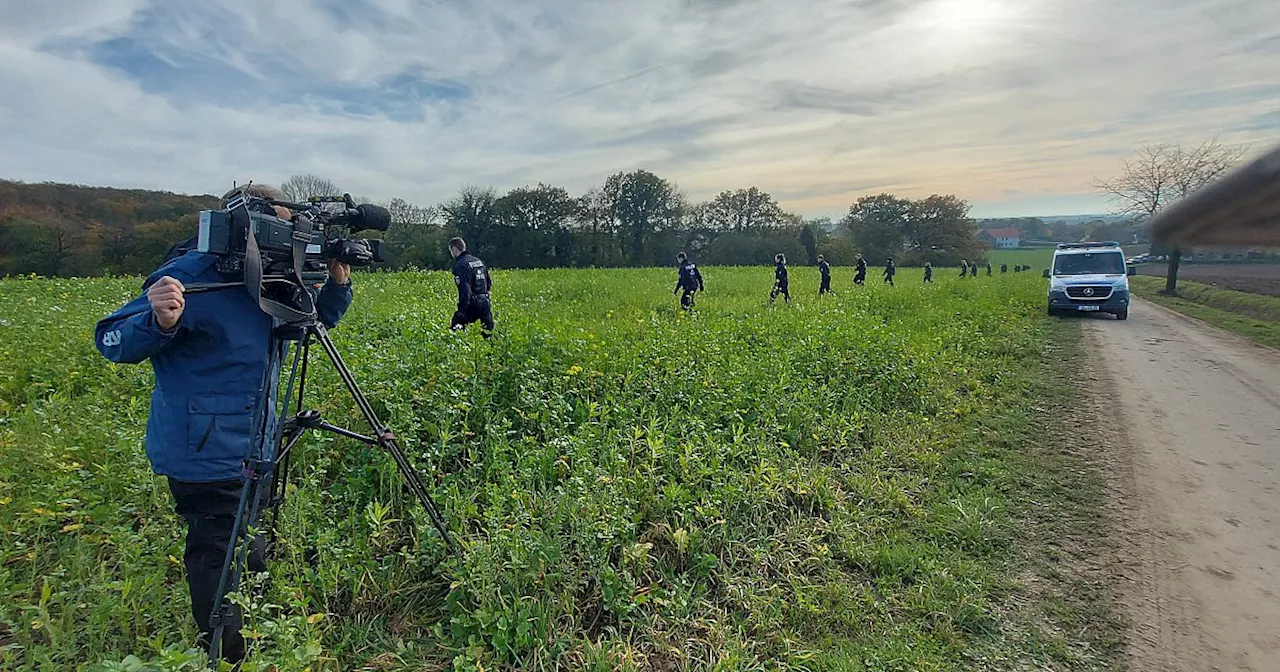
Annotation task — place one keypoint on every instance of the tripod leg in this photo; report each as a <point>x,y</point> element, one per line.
<point>260,465</point>
<point>385,437</point>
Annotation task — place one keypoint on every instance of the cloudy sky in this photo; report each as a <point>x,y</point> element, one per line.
<point>1015,105</point>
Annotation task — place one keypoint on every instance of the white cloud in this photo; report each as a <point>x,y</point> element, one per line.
<point>999,101</point>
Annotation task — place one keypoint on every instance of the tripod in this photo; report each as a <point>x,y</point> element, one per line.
<point>276,434</point>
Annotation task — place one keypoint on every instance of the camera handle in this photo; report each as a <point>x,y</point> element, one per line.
<point>267,468</point>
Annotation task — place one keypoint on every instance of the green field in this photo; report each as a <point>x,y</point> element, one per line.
<point>1038,259</point>
<point>853,482</point>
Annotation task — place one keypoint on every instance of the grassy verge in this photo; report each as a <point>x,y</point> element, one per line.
<point>1253,316</point>
<point>854,482</point>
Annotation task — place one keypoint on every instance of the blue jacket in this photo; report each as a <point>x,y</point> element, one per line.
<point>209,368</point>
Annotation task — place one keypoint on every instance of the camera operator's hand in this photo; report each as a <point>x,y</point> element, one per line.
<point>339,272</point>
<point>167,302</point>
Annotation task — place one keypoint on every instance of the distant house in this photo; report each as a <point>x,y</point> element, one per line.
<point>1001,239</point>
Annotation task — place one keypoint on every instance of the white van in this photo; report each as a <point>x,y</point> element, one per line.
<point>1089,277</point>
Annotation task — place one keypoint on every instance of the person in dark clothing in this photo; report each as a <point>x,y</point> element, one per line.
<point>780,284</point>
<point>928,272</point>
<point>474,284</point>
<point>988,269</point>
<point>209,352</point>
<point>964,267</point>
<point>690,280</point>
<point>889,271</point>
<point>1004,268</point>
<point>825,270</point>
<point>860,276</point>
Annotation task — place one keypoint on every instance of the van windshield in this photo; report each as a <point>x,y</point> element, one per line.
<point>1089,263</point>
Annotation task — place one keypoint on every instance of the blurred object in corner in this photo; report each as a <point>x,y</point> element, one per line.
<point>1242,208</point>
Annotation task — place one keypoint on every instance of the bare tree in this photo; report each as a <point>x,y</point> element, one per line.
<point>1162,174</point>
<point>298,188</point>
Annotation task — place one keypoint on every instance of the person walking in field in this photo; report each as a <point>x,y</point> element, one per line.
<point>928,272</point>
<point>690,280</point>
<point>825,270</point>
<point>889,271</point>
<point>860,276</point>
<point>1004,268</point>
<point>964,267</point>
<point>780,284</point>
<point>988,269</point>
<point>474,284</point>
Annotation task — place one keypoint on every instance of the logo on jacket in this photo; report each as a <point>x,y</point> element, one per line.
<point>111,338</point>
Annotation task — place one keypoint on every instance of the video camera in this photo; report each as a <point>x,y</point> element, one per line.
<point>314,234</point>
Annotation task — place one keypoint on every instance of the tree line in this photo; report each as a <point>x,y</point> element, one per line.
<point>632,219</point>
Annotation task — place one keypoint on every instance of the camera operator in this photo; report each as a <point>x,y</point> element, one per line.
<point>474,284</point>
<point>209,352</point>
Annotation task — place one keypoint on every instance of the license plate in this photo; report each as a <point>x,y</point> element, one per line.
<point>1086,307</point>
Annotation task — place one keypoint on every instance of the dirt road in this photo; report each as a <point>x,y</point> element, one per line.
<point>1197,472</point>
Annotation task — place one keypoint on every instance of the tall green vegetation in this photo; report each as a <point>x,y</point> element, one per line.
<point>839,484</point>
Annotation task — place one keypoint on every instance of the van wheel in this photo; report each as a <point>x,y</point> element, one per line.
<point>1123,315</point>
<point>1052,312</point>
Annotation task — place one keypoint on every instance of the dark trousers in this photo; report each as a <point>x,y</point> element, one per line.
<point>860,278</point>
<point>686,299</point>
<point>888,280</point>
<point>478,310</point>
<point>210,511</point>
<point>826,285</point>
<point>780,288</point>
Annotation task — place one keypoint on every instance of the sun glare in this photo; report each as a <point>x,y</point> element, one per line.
<point>962,20</point>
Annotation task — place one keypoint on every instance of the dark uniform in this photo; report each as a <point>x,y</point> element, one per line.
<point>780,284</point>
<point>964,268</point>
<point>1004,268</point>
<point>690,280</point>
<point>890,270</point>
<point>928,274</point>
<point>861,275</point>
<point>825,269</point>
<point>988,269</point>
<point>474,284</point>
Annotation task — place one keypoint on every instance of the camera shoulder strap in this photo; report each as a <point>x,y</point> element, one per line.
<point>253,276</point>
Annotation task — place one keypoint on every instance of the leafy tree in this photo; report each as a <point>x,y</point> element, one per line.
<point>879,224</point>
<point>809,240</point>
<point>415,236</point>
<point>472,214</point>
<point>940,230</point>
<point>743,210</point>
<point>538,222</point>
<point>642,204</point>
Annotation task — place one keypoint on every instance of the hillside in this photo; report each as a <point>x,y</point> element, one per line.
<point>65,229</point>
